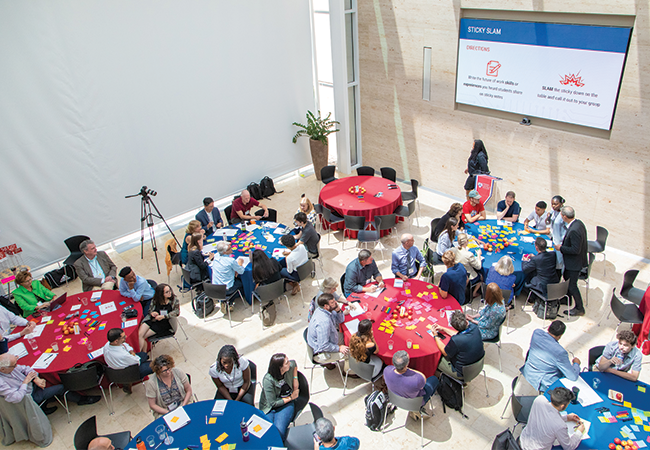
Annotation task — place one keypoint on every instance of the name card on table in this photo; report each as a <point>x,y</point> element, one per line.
<point>106,308</point>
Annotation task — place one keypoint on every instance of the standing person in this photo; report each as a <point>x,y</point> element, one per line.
<point>454,281</point>
<point>168,388</point>
<point>231,374</point>
<point>407,258</point>
<point>574,251</point>
<point>455,210</point>
<point>508,209</point>
<point>164,308</point>
<point>209,216</point>
<point>363,347</point>
<point>241,208</point>
<point>193,227</point>
<point>307,207</point>
<point>196,262</point>
<point>537,219</point>
<point>95,269</point>
<point>473,209</point>
<point>503,274</point>
<point>557,228</point>
<point>136,287</point>
<point>280,389</point>
<point>296,256</point>
<point>489,319</point>
<point>477,164</point>
<point>30,294</point>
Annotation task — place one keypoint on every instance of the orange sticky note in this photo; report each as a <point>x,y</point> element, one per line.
<point>67,348</point>
<point>212,420</point>
<point>203,438</point>
<point>222,437</point>
<point>174,419</point>
<point>257,428</point>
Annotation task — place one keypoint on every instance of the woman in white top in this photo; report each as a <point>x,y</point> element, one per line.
<point>231,374</point>
<point>446,238</point>
<point>558,227</point>
<point>471,262</point>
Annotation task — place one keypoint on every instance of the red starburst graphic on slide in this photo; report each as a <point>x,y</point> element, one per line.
<point>572,79</point>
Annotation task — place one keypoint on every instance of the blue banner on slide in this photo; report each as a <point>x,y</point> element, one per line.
<point>583,37</point>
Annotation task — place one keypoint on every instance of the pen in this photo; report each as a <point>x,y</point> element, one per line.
<point>375,307</point>
<point>419,335</point>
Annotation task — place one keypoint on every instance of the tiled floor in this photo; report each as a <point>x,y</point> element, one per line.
<point>444,430</point>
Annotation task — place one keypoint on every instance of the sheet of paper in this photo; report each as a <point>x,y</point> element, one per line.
<point>106,308</point>
<point>44,361</point>
<point>352,326</point>
<point>96,295</point>
<point>278,231</point>
<point>176,419</point>
<point>19,350</point>
<point>75,307</point>
<point>96,354</point>
<point>229,232</point>
<point>374,294</point>
<point>46,319</point>
<point>277,253</point>
<point>258,426</point>
<point>572,425</point>
<point>209,248</point>
<point>250,228</point>
<point>219,407</point>
<point>356,309</point>
<point>587,395</point>
<point>246,260</point>
<point>398,283</point>
<point>38,330</point>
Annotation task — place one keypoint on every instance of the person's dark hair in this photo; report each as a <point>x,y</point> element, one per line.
<point>541,204</point>
<point>400,360</point>
<point>561,396</point>
<point>511,194</point>
<point>287,240</point>
<point>627,336</point>
<point>557,328</point>
<point>195,240</point>
<point>324,430</point>
<point>559,199</point>
<point>479,147</point>
<point>125,271</point>
<point>454,209</point>
<point>364,254</point>
<point>275,365</point>
<point>300,217</point>
<point>227,352</point>
<point>324,299</point>
<point>159,295</point>
<point>160,362</point>
<point>493,294</point>
<point>114,334</point>
<point>263,267</point>
<point>365,328</point>
<point>540,243</point>
<point>360,338</point>
<point>207,201</point>
<point>458,321</point>
<point>451,222</point>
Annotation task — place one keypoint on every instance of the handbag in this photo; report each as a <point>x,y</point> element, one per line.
<point>505,441</point>
<point>268,314</point>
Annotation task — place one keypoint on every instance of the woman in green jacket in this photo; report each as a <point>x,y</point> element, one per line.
<point>30,294</point>
<point>279,390</point>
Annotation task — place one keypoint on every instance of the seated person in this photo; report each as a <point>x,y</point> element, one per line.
<point>279,390</point>
<point>329,286</point>
<point>241,208</point>
<point>231,374</point>
<point>409,383</point>
<point>227,270</point>
<point>265,270</point>
<point>546,425</point>
<point>363,347</point>
<point>30,294</point>
<point>454,281</point>
<point>508,209</point>
<point>296,256</point>
<point>157,322</point>
<point>120,355</point>
<point>503,274</point>
<point>101,443</point>
<point>547,360</point>
<point>621,357</point>
<point>360,273</point>
<point>8,320</point>
<point>406,259</point>
<point>490,318</point>
<point>196,261</point>
<point>465,346</point>
<point>136,287</point>
<point>473,209</point>
<point>537,219</point>
<point>193,227</point>
<point>540,269</point>
<point>209,216</point>
<point>323,332</point>
<point>95,269</point>
<point>446,239</point>
<point>16,381</point>
<point>470,261</point>
<point>307,234</point>
<point>307,207</point>
<point>168,388</point>
<point>455,211</point>
<point>325,433</point>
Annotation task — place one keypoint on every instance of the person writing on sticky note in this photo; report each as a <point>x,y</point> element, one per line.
<point>621,357</point>
<point>360,273</point>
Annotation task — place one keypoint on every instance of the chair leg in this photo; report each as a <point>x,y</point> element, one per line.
<point>180,348</point>
<point>345,383</point>
<point>487,393</point>
<point>288,305</point>
<point>421,431</point>
<point>67,410</point>
<point>506,407</point>
<point>110,392</point>
<point>110,411</point>
<point>499,350</point>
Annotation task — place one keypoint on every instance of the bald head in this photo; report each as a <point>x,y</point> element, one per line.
<point>101,443</point>
<point>407,240</point>
<point>245,196</point>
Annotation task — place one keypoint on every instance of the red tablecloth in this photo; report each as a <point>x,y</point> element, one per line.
<point>336,196</point>
<point>78,352</point>
<point>426,358</point>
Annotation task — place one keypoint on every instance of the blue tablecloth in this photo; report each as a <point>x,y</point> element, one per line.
<point>515,252</point>
<point>602,434</point>
<point>258,238</point>
<point>229,422</point>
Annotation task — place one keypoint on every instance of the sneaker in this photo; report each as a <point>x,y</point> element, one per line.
<point>89,399</point>
<point>296,289</point>
<point>574,312</point>
<point>415,415</point>
<point>127,389</point>
<point>425,413</point>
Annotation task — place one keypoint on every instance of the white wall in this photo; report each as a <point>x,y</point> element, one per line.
<point>97,98</point>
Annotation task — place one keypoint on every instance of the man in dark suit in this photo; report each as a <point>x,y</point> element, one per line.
<point>540,269</point>
<point>574,251</point>
<point>209,216</point>
<point>95,269</point>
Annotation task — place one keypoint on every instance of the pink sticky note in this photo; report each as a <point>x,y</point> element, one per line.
<point>37,352</point>
<point>59,337</point>
<point>62,315</point>
<point>57,330</point>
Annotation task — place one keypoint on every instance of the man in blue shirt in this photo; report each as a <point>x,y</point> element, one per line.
<point>225,270</point>
<point>454,281</point>
<point>508,209</point>
<point>406,259</point>
<point>621,357</point>
<point>360,273</point>
<point>209,216</point>
<point>323,332</point>
<point>136,287</point>
<point>324,437</point>
<point>547,361</point>
<point>465,346</point>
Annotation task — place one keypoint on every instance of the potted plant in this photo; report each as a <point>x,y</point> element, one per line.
<point>317,129</point>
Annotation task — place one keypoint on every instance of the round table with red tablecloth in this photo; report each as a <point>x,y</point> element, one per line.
<point>337,197</point>
<point>428,308</point>
<point>90,339</point>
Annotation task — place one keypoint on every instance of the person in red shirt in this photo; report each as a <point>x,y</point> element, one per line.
<point>473,209</point>
<point>241,208</point>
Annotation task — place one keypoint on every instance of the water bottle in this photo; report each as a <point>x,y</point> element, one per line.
<point>244,429</point>
<point>139,444</point>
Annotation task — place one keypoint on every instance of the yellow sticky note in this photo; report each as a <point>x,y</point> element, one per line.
<point>49,350</point>
<point>221,438</point>
<point>65,341</point>
<point>232,446</point>
<point>420,294</point>
<point>416,346</point>
<point>646,428</point>
<point>212,420</point>
<point>421,319</point>
<point>638,421</point>
<point>603,419</point>
<point>627,404</point>
<point>387,299</point>
<point>174,419</point>
<point>203,438</point>
<point>624,434</point>
<point>50,322</point>
<point>381,328</point>
<point>407,291</point>
<point>62,323</point>
<point>67,348</point>
<point>206,446</point>
<point>257,428</point>
<point>641,388</point>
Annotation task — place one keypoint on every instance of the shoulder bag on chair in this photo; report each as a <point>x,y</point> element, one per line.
<point>268,314</point>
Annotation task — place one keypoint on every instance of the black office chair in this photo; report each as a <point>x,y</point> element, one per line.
<point>625,313</point>
<point>434,224</point>
<point>87,431</point>
<point>82,380</point>
<point>594,354</point>
<point>598,246</point>
<point>366,171</point>
<point>389,173</point>
<point>372,235</point>
<point>353,223</point>
<point>405,212</point>
<point>125,377</point>
<point>628,291</point>
<point>521,405</point>
<point>584,275</point>
<point>497,341</point>
<point>273,214</point>
<point>342,280</point>
<point>554,291</point>
<point>413,195</point>
<point>73,246</point>
<point>327,174</point>
<point>217,292</point>
<point>302,437</point>
<point>331,218</point>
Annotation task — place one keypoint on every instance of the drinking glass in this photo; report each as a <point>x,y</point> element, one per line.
<point>151,441</point>
<point>55,347</point>
<point>409,344</point>
<point>160,429</point>
<point>595,383</point>
<point>89,345</point>
<point>33,343</point>
<point>84,301</point>
<point>390,345</point>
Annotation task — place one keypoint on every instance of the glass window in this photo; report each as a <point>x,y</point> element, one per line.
<point>349,45</point>
<point>348,4</point>
<point>321,5</point>
<point>323,47</point>
<point>352,108</point>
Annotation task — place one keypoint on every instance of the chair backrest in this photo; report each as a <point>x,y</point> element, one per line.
<point>411,207</point>
<point>592,257</point>
<point>366,171</point>
<point>316,412</point>
<point>389,173</point>
<point>253,368</point>
<point>127,375</point>
<point>153,284</point>
<point>174,256</point>
<point>506,293</point>
<point>629,313</point>
<point>434,224</point>
<point>388,221</point>
<point>342,280</point>
<point>414,185</point>
<point>557,290</point>
<point>214,291</point>
<point>628,282</point>
<point>73,243</point>
<point>270,291</point>
<point>80,380</point>
<point>310,351</point>
<point>594,354</point>
<point>356,223</point>
<point>186,275</point>
<point>473,370</point>
<point>327,172</point>
<point>364,370</point>
<point>408,404</point>
<point>327,214</point>
<point>228,211</point>
<point>305,270</point>
<point>303,397</point>
<point>318,208</point>
<point>601,236</point>
<point>86,432</point>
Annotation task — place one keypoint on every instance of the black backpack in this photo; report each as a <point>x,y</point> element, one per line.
<point>10,306</point>
<point>451,394</point>
<point>201,301</point>
<point>255,191</point>
<point>376,404</point>
<point>268,188</point>
<point>57,277</point>
<point>552,307</point>
<point>505,441</point>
